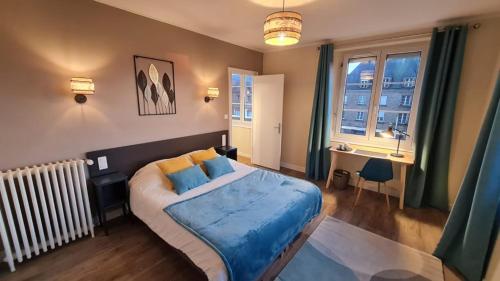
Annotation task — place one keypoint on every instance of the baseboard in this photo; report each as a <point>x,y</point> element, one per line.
<point>293,167</point>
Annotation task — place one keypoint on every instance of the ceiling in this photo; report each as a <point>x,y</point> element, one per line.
<point>240,22</point>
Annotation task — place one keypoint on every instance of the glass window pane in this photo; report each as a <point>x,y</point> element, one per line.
<point>400,76</point>
<point>357,94</point>
<point>248,98</point>
<point>235,80</point>
<point>235,92</point>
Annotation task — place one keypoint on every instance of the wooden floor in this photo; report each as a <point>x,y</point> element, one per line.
<point>133,252</point>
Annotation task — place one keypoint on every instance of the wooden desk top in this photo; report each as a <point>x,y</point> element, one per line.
<point>373,152</point>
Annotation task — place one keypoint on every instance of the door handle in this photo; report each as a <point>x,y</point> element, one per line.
<point>278,127</point>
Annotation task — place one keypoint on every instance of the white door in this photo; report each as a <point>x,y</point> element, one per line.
<point>267,120</point>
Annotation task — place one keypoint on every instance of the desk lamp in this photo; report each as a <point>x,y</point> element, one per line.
<point>390,134</point>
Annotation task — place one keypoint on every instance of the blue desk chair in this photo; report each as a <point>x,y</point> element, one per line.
<point>376,170</point>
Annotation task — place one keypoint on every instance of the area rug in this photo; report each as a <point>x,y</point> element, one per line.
<point>339,251</point>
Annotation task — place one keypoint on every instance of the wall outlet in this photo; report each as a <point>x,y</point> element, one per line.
<point>225,116</point>
<point>102,163</point>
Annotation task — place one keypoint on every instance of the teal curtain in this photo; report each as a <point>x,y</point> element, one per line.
<point>428,178</point>
<point>471,230</point>
<point>318,154</point>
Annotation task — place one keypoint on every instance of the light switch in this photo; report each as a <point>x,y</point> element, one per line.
<point>225,116</point>
<point>102,162</point>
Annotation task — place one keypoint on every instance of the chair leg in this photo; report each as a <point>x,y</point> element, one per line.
<point>387,197</point>
<point>359,195</point>
<point>357,185</point>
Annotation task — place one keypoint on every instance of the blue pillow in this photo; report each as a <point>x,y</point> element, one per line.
<point>218,166</point>
<point>188,179</point>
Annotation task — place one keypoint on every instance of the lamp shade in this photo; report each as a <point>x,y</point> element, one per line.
<point>83,86</point>
<point>213,92</point>
<point>282,28</point>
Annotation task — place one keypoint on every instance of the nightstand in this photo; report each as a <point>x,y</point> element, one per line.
<point>111,192</point>
<point>229,151</point>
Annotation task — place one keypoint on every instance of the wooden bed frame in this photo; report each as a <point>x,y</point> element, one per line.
<point>128,159</point>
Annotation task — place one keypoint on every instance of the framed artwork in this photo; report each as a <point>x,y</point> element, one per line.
<point>155,86</point>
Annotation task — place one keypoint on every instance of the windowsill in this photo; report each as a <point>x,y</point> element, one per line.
<point>335,141</point>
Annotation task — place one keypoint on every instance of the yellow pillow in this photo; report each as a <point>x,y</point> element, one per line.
<point>199,157</point>
<point>173,165</point>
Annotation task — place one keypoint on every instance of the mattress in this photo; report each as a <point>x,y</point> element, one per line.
<point>148,198</point>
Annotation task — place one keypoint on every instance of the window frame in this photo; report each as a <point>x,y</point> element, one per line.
<point>386,98</point>
<point>243,72</point>
<point>381,53</point>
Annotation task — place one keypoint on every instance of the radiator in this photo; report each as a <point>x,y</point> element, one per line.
<point>43,206</point>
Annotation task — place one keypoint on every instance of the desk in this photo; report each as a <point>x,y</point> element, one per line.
<point>370,152</point>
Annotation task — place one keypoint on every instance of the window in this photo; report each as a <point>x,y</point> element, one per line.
<point>241,95</point>
<point>387,82</point>
<point>364,84</point>
<point>248,97</point>
<point>393,89</point>
<point>360,116</point>
<point>236,91</point>
<point>409,82</point>
<point>361,100</point>
<point>406,100</point>
<point>402,118</point>
<point>381,116</point>
<point>356,66</point>
<point>383,100</point>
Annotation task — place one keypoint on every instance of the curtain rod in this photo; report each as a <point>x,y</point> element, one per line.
<point>411,38</point>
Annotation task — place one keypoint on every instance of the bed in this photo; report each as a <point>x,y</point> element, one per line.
<point>267,232</point>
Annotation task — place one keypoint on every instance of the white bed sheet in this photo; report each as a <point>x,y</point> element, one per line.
<point>148,198</point>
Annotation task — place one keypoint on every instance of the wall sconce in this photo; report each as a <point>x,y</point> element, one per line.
<point>82,87</point>
<point>212,94</point>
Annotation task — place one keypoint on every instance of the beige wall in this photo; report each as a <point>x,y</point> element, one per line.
<point>45,43</point>
<point>299,66</point>
<point>476,87</point>
<point>242,139</point>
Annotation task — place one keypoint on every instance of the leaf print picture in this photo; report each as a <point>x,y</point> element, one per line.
<point>155,86</point>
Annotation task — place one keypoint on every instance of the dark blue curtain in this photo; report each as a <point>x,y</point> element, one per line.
<point>428,178</point>
<point>318,154</point>
<point>470,233</point>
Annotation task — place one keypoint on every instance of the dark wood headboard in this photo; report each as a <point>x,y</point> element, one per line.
<point>129,159</point>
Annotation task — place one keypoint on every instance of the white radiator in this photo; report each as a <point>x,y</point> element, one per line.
<point>45,204</point>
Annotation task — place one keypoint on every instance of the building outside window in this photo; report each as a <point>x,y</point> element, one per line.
<point>383,100</point>
<point>365,84</point>
<point>409,82</point>
<point>381,116</point>
<point>403,118</point>
<point>361,100</point>
<point>241,97</point>
<point>393,93</point>
<point>406,100</point>
<point>387,82</point>
<point>360,116</point>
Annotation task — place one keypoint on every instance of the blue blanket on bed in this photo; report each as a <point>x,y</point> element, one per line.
<point>250,221</point>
